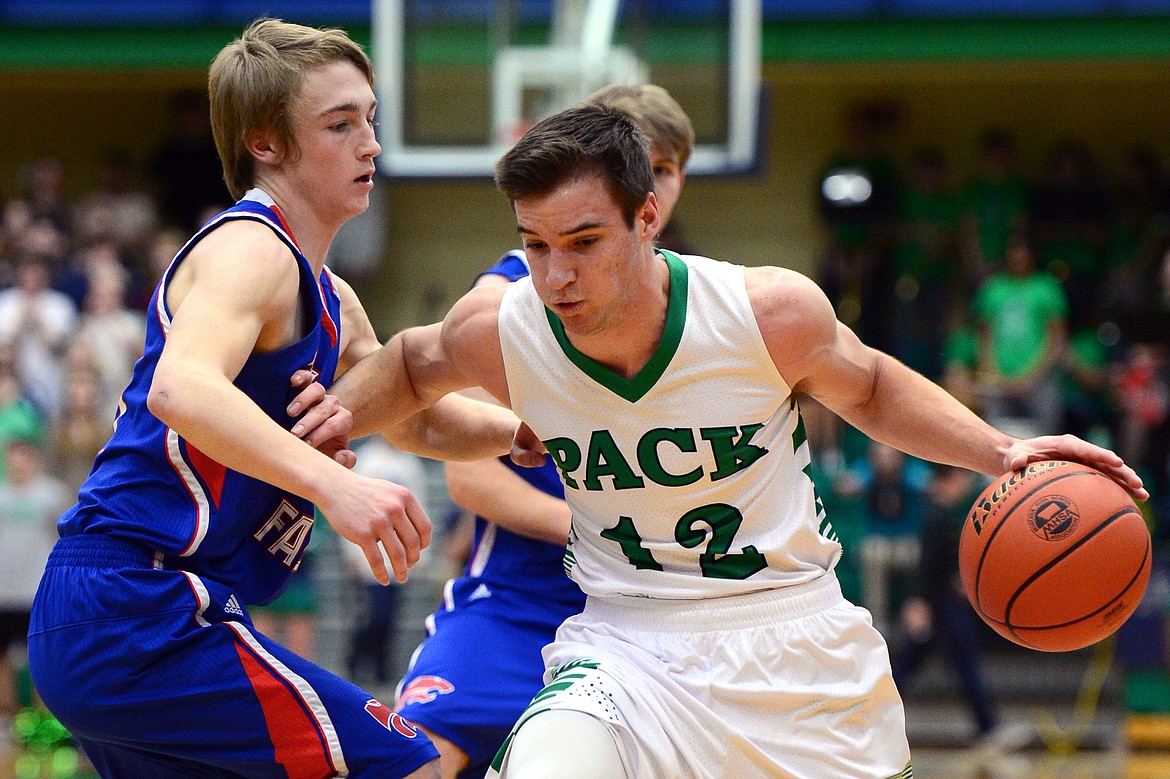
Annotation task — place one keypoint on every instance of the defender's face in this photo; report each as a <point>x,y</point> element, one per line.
<point>333,122</point>
<point>668,181</point>
<point>586,261</point>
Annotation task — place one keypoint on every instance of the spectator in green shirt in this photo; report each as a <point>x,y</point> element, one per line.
<point>19,418</point>
<point>960,362</point>
<point>1021,314</point>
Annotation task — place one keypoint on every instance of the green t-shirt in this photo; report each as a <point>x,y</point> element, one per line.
<point>962,349</point>
<point>1017,312</point>
<point>19,419</point>
<point>1085,349</point>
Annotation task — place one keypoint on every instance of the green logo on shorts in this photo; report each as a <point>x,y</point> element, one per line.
<point>562,679</point>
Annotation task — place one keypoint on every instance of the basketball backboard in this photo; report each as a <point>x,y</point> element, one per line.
<point>459,80</point>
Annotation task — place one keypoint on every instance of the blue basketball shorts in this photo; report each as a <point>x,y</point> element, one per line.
<point>477,670</point>
<point>160,673</point>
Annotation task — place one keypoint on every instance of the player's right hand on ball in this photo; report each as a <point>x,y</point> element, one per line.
<point>379,515</point>
<point>1069,447</point>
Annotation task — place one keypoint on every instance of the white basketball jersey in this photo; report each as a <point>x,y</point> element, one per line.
<point>690,480</point>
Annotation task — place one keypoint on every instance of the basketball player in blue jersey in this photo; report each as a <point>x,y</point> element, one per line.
<point>203,499</point>
<point>480,665</point>
<point>715,641</point>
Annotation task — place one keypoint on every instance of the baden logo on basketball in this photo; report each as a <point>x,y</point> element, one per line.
<point>1053,517</point>
<point>992,498</point>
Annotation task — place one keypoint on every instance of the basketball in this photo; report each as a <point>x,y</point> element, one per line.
<point>1055,556</point>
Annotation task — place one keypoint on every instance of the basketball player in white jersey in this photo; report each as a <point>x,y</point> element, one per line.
<point>480,664</point>
<point>715,641</point>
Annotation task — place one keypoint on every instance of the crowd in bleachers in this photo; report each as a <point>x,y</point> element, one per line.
<point>1042,302</point>
<point>74,282</point>
<point>75,278</point>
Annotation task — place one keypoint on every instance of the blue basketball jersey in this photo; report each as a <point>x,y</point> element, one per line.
<point>139,641</point>
<point>151,486</point>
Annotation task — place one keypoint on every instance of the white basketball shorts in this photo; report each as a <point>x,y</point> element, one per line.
<point>791,683</point>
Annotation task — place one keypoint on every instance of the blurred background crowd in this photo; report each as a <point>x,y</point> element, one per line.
<point>1037,294</point>
<point>1041,302</point>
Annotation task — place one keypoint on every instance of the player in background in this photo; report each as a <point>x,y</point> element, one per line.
<point>480,665</point>
<point>203,499</point>
<point>715,640</point>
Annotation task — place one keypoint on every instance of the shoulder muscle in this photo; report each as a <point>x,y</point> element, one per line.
<point>241,260</point>
<point>816,354</point>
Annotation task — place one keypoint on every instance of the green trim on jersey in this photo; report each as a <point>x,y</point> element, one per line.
<point>570,560</point>
<point>676,317</point>
<point>799,439</point>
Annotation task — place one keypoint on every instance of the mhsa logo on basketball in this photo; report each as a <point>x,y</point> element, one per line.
<point>1053,517</point>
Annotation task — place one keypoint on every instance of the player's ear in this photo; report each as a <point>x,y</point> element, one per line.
<point>263,146</point>
<point>648,218</point>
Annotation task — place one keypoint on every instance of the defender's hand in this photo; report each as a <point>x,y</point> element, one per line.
<point>379,515</point>
<point>326,423</point>
<point>527,450</point>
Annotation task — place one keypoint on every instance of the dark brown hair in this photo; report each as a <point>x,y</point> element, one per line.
<point>580,141</point>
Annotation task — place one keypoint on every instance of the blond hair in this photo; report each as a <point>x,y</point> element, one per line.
<point>657,114</point>
<point>253,81</point>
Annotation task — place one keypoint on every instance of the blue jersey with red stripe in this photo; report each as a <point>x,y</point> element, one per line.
<point>151,486</point>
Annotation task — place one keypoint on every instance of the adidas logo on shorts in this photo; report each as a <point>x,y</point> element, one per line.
<point>233,606</point>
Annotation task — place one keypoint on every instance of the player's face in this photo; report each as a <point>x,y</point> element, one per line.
<point>588,265</point>
<point>333,121</point>
<point>668,181</point>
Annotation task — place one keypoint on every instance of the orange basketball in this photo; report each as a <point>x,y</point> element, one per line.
<point>1055,557</point>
